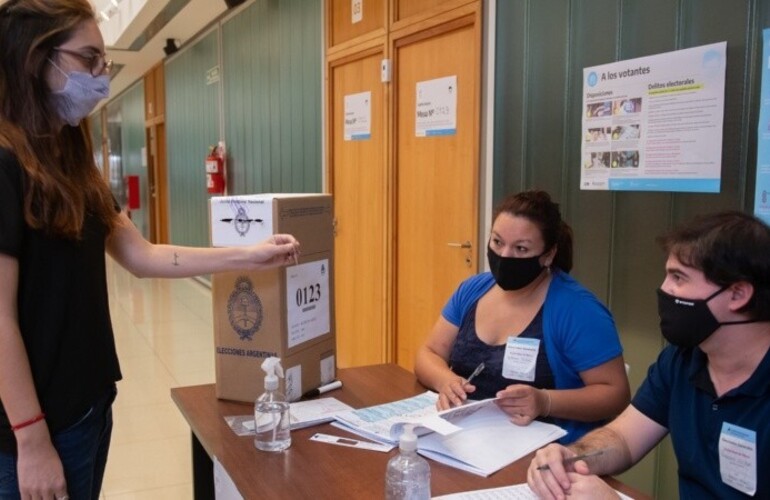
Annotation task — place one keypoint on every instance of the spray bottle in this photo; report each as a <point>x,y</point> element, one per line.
<point>271,411</point>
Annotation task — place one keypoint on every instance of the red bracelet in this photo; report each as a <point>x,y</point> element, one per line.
<point>29,422</point>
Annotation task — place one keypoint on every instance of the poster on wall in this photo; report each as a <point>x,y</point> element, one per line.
<point>358,116</point>
<point>762,187</point>
<point>436,104</point>
<point>655,123</point>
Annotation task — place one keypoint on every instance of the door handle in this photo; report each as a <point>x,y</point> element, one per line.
<point>467,244</point>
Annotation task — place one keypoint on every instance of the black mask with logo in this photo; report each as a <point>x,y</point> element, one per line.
<point>688,322</point>
<point>514,273</point>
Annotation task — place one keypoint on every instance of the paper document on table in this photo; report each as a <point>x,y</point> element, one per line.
<point>385,422</point>
<point>487,442</point>
<point>301,414</point>
<point>317,411</point>
<point>515,492</point>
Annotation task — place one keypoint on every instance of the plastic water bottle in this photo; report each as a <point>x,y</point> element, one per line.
<point>271,412</point>
<point>408,474</point>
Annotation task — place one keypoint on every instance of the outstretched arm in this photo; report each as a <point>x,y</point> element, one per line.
<point>144,259</point>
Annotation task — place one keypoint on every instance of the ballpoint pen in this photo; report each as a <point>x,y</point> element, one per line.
<point>574,459</point>
<point>324,388</point>
<point>475,372</point>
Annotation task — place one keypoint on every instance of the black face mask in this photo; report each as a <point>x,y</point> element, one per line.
<point>688,322</point>
<point>514,273</point>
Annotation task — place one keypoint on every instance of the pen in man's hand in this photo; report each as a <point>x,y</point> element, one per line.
<point>475,372</point>
<point>574,459</point>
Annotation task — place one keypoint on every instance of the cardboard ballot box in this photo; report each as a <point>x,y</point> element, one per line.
<point>286,312</point>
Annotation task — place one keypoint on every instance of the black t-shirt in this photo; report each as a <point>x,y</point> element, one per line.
<point>63,309</point>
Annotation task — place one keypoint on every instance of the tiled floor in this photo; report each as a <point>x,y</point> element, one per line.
<point>164,335</point>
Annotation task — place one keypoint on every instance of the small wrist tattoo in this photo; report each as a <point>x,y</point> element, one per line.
<point>176,259</point>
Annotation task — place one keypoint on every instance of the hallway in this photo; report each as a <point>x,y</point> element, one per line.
<point>164,337</point>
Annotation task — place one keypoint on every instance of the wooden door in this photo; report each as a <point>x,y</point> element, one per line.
<point>437,176</point>
<point>359,184</point>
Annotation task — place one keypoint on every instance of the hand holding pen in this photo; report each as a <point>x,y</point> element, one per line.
<point>553,466</point>
<point>455,391</point>
<point>572,460</point>
<point>478,370</point>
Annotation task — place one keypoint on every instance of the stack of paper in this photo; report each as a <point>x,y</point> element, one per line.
<point>315,411</point>
<point>515,492</point>
<point>487,442</point>
<point>478,437</point>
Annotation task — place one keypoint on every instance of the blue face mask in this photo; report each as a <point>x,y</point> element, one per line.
<point>80,95</point>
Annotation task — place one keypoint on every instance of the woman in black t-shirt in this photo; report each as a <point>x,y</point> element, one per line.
<point>57,219</point>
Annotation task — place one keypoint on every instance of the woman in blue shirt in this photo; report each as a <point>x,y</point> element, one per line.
<point>549,347</point>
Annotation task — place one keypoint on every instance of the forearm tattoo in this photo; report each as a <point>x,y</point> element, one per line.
<point>176,259</point>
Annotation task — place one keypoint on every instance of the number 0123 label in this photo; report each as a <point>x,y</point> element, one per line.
<point>307,301</point>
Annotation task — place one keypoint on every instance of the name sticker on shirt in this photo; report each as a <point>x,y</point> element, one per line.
<point>520,358</point>
<point>738,458</point>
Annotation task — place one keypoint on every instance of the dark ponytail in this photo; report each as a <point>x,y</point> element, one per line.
<point>563,257</point>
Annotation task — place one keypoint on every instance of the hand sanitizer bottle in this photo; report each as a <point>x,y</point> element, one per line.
<point>271,411</point>
<point>408,474</point>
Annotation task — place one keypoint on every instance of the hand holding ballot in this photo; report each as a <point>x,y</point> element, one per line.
<point>524,403</point>
<point>277,250</point>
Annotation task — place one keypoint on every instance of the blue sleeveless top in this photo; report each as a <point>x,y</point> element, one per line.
<point>469,350</point>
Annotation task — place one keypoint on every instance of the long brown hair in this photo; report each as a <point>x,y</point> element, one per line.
<point>62,182</point>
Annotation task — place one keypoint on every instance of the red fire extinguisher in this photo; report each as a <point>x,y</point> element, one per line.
<point>215,169</point>
<point>132,192</point>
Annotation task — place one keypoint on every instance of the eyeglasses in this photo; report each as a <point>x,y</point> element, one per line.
<point>97,63</point>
